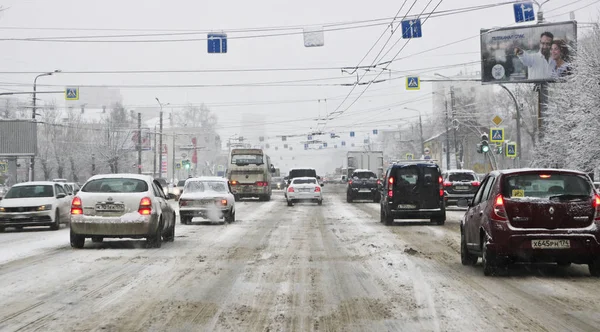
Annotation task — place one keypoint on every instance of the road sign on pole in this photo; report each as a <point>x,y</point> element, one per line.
<point>511,150</point>
<point>524,12</point>
<point>3,167</point>
<point>71,93</point>
<point>409,156</point>
<point>413,83</point>
<point>411,29</point>
<point>496,135</point>
<point>217,42</point>
<point>497,120</point>
<point>351,134</point>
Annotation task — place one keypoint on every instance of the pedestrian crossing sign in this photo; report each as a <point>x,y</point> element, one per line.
<point>511,150</point>
<point>71,93</point>
<point>409,156</point>
<point>496,135</point>
<point>413,83</point>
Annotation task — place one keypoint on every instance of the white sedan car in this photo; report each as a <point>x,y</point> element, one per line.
<point>207,197</point>
<point>42,203</point>
<point>304,189</point>
<point>122,206</point>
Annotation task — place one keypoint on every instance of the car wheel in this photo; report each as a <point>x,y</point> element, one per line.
<point>491,265</point>
<point>170,235</point>
<point>289,203</point>
<point>377,199</point>
<point>77,241</point>
<point>466,258</point>
<point>320,202</point>
<point>594,267</point>
<point>267,198</point>
<point>348,198</point>
<point>230,216</point>
<point>155,240</point>
<point>97,239</point>
<point>2,229</point>
<point>56,225</point>
<point>184,220</point>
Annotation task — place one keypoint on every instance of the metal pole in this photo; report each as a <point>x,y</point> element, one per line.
<point>173,163</point>
<point>160,143</point>
<point>155,148</point>
<point>458,166</point>
<point>447,139</point>
<point>518,109</point>
<point>139,143</point>
<point>32,167</point>
<point>421,132</point>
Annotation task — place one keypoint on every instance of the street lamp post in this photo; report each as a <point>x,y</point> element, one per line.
<point>420,129</point>
<point>160,137</point>
<point>458,163</point>
<point>518,109</point>
<point>32,170</point>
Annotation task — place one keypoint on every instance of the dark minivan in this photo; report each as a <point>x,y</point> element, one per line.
<point>413,191</point>
<point>532,215</point>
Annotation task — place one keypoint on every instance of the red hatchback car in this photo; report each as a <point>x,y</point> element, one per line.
<point>532,215</point>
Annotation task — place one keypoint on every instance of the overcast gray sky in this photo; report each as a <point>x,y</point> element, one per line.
<point>342,48</point>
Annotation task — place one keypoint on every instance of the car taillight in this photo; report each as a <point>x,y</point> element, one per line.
<point>441,192</point>
<point>76,206</point>
<point>234,183</point>
<point>391,181</point>
<point>476,183</point>
<point>390,193</point>
<point>145,208</point>
<point>349,181</point>
<point>262,184</point>
<point>317,189</point>
<point>447,184</point>
<point>378,182</point>
<point>596,205</point>
<point>182,202</point>
<point>290,189</point>
<point>499,211</point>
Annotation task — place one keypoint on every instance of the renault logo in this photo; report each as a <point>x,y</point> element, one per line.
<point>109,199</point>
<point>551,210</point>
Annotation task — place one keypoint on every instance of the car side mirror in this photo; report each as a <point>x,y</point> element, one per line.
<point>59,196</point>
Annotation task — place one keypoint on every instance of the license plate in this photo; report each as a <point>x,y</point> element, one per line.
<point>461,188</point>
<point>407,206</point>
<point>20,216</point>
<point>109,207</point>
<point>550,244</point>
<point>304,190</point>
<point>364,191</point>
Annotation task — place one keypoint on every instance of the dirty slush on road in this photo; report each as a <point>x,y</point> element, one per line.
<point>279,268</point>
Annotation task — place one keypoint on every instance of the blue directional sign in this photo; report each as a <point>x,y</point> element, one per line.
<point>511,150</point>
<point>374,131</point>
<point>343,143</point>
<point>324,144</point>
<point>217,42</point>
<point>351,134</point>
<point>305,146</point>
<point>524,12</point>
<point>411,29</point>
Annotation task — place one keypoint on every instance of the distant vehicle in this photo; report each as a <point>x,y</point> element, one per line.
<point>413,190</point>
<point>75,187</point>
<point>369,160</point>
<point>277,183</point>
<point>178,189</point>
<point>459,185</point>
<point>249,173</point>
<point>122,206</point>
<point>363,184</point>
<point>208,198</point>
<point>42,203</point>
<point>164,184</point>
<point>301,172</point>
<point>533,215</point>
<point>303,189</point>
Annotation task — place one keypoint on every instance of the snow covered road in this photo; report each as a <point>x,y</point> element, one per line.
<point>304,268</point>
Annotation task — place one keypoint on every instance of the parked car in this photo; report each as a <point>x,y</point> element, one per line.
<point>42,203</point>
<point>533,215</point>
<point>413,190</point>
<point>363,184</point>
<point>122,206</point>
<point>207,197</point>
<point>459,185</point>
<point>303,189</point>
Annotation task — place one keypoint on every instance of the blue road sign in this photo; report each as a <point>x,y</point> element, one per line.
<point>332,135</point>
<point>71,93</point>
<point>511,150</point>
<point>427,157</point>
<point>411,29</point>
<point>413,83</point>
<point>524,12</point>
<point>374,131</point>
<point>217,42</point>
<point>351,134</point>
<point>305,146</point>
<point>343,143</point>
<point>496,135</point>
<point>324,144</point>
<point>310,137</point>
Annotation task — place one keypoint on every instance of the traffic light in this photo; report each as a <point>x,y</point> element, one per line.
<point>186,164</point>
<point>499,149</point>
<point>485,145</point>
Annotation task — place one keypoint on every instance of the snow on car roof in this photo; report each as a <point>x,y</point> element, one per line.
<point>304,178</point>
<point>122,176</point>
<point>36,183</point>
<point>534,170</point>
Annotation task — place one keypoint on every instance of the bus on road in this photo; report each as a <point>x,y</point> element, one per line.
<point>249,172</point>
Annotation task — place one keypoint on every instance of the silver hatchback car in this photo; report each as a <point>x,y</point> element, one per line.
<point>122,206</point>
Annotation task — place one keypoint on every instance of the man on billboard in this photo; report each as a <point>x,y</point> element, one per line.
<point>540,65</point>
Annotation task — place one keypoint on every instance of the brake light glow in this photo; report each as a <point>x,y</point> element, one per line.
<point>317,189</point>
<point>233,183</point>
<point>441,192</point>
<point>499,211</point>
<point>447,184</point>
<point>476,183</point>
<point>378,182</point>
<point>390,194</point>
<point>349,181</point>
<point>145,208</point>
<point>290,189</point>
<point>391,181</point>
<point>262,184</point>
<point>545,176</point>
<point>596,205</point>
<point>76,206</point>
<point>440,180</point>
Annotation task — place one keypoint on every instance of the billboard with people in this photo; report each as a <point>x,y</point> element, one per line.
<point>529,54</point>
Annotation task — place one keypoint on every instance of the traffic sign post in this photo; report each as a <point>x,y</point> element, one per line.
<point>511,150</point>
<point>411,29</point>
<point>217,42</point>
<point>375,131</point>
<point>71,93</point>
<point>413,83</point>
<point>524,12</point>
<point>351,134</point>
<point>496,135</point>
<point>497,120</point>
<point>409,156</point>
<point>3,167</point>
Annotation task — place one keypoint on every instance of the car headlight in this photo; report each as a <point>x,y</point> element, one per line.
<point>45,207</point>
<point>176,191</point>
<point>2,209</point>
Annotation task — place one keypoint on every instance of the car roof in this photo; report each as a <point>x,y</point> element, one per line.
<point>207,178</point>
<point>36,183</point>
<point>302,168</point>
<point>422,164</point>
<point>363,170</point>
<point>459,171</point>
<point>536,170</point>
<point>304,178</point>
<point>122,176</point>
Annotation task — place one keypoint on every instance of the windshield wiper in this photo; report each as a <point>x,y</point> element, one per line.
<point>569,196</point>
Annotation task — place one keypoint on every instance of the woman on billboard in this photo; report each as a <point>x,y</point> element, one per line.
<point>560,54</point>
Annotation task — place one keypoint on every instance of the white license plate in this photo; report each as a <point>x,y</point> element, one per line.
<point>305,190</point>
<point>364,191</point>
<point>407,206</point>
<point>461,188</point>
<point>109,207</point>
<point>550,244</point>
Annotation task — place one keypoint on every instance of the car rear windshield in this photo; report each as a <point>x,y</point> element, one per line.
<point>205,186</point>
<point>304,181</point>
<point>115,185</point>
<point>181,183</point>
<point>546,185</point>
<point>461,177</point>
<point>299,173</point>
<point>364,175</point>
<point>30,191</point>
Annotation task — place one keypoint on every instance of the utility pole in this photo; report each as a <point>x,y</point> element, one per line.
<point>458,166</point>
<point>161,144</point>
<point>139,143</point>
<point>421,133</point>
<point>518,110</point>
<point>447,138</point>
<point>173,163</point>
<point>155,148</point>
<point>543,87</point>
